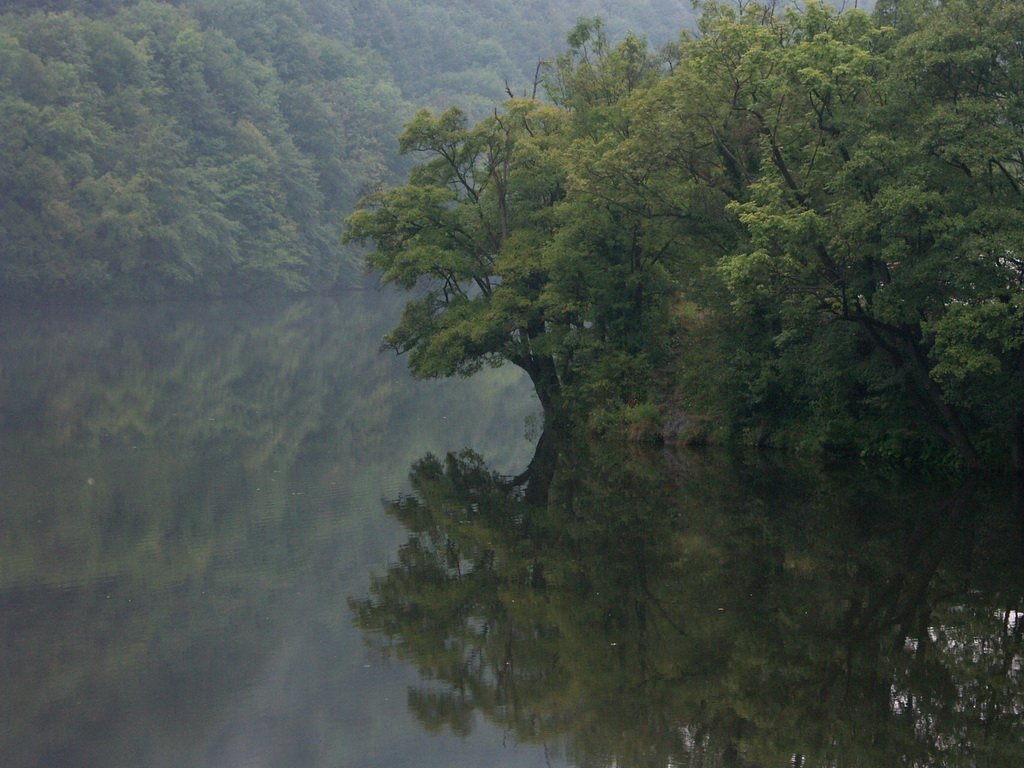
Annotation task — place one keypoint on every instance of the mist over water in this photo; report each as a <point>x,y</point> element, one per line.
<point>190,495</point>
<point>231,536</point>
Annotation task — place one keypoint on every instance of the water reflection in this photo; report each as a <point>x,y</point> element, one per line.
<point>652,611</point>
<point>188,494</point>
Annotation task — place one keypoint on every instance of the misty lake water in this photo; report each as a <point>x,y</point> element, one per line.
<point>234,534</point>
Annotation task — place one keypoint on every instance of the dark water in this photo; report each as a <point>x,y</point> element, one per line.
<point>223,543</point>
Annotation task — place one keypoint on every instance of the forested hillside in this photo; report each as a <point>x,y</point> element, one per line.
<point>152,151</point>
<point>464,52</point>
<point>214,147</point>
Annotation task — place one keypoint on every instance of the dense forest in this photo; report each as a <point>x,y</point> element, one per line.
<point>796,227</point>
<point>214,147</point>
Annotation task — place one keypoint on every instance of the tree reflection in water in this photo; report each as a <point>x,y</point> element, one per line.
<point>628,610</point>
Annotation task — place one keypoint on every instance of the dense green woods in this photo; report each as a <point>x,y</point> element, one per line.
<point>210,148</point>
<point>214,147</point>
<point>792,228</point>
<point>468,51</point>
<point>799,228</point>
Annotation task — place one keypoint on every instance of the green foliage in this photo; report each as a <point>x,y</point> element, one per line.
<point>162,150</point>
<point>498,44</point>
<point>468,225</point>
<point>520,249</point>
<point>841,199</point>
<point>245,130</point>
<point>839,195</point>
<point>870,223</point>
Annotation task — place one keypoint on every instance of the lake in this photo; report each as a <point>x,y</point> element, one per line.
<point>235,534</point>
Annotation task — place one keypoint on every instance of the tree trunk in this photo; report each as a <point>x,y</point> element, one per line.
<point>536,478</point>
<point>543,374</point>
<point>904,351</point>
<point>955,430</point>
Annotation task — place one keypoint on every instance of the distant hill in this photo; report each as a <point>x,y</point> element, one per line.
<point>212,147</point>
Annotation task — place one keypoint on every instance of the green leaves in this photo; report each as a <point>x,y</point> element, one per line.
<point>464,228</point>
<point>865,176</point>
<point>535,238</point>
<point>165,149</point>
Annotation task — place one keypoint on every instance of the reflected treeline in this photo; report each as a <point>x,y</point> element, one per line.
<point>116,424</point>
<point>259,378</point>
<point>172,476</point>
<point>702,611</point>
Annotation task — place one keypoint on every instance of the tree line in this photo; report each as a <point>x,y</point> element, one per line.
<point>796,227</point>
<point>212,147</point>
<point>163,150</point>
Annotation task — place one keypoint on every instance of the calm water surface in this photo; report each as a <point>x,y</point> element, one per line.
<point>236,535</point>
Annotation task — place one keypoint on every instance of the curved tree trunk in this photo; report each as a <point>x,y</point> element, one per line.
<point>536,478</point>
<point>544,375</point>
<point>903,348</point>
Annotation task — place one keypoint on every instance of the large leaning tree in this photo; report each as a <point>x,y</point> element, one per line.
<point>514,248</point>
<point>466,233</point>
